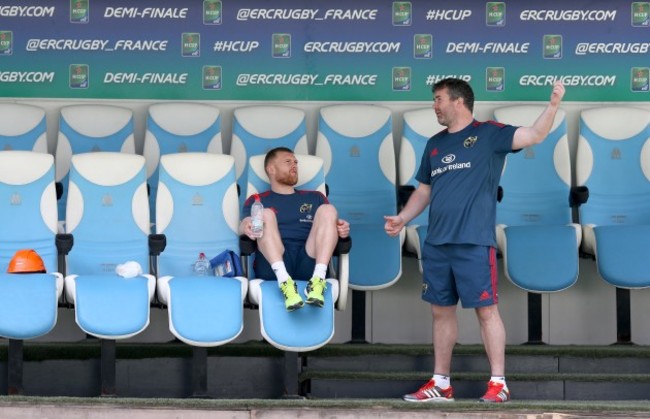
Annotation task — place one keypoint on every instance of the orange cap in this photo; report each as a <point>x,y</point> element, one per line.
<point>26,261</point>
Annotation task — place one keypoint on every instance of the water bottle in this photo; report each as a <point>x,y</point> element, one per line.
<point>202,265</point>
<point>257,222</point>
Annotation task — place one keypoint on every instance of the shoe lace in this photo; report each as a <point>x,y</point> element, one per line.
<point>427,386</point>
<point>317,285</point>
<point>288,290</point>
<point>493,389</point>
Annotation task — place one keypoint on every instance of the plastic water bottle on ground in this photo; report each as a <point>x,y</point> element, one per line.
<point>202,265</point>
<point>257,222</point>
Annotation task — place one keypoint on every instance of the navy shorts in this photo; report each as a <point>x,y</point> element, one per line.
<point>464,272</point>
<point>298,263</point>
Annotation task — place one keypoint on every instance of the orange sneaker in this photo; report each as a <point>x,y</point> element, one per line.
<point>496,393</point>
<point>431,393</point>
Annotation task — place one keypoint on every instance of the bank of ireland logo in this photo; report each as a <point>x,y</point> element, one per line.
<point>79,76</point>
<point>402,13</point>
<point>640,79</point>
<point>495,79</point>
<point>212,77</point>
<point>281,45</point>
<point>191,44</point>
<point>212,12</point>
<point>448,159</point>
<point>6,42</point>
<point>79,11</point>
<point>401,78</point>
<point>495,13</point>
<point>552,47</point>
<point>641,14</point>
<point>422,45</point>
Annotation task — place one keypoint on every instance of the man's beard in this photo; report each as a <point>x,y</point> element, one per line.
<point>289,179</point>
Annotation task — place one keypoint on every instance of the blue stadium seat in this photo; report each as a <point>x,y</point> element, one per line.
<point>356,145</point>
<point>28,221</point>
<point>257,129</point>
<point>419,126</point>
<point>534,218</point>
<point>613,164</point>
<point>22,127</point>
<point>198,211</point>
<point>108,216</point>
<point>178,128</point>
<point>310,327</point>
<point>90,128</point>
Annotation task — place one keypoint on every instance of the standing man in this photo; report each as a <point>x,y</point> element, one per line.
<point>459,176</point>
<point>301,230</point>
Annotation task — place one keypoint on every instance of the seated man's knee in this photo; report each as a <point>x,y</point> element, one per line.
<point>269,216</point>
<point>327,212</point>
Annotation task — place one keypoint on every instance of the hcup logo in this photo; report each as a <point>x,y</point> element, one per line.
<point>191,44</point>
<point>401,78</point>
<point>640,79</point>
<point>495,79</point>
<point>422,46</point>
<point>641,13</point>
<point>211,77</point>
<point>281,45</point>
<point>79,76</point>
<point>552,47</point>
<point>495,13</point>
<point>6,42</point>
<point>402,13</point>
<point>212,12</point>
<point>79,11</point>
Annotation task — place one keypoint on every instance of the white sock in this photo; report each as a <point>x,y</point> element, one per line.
<point>280,271</point>
<point>320,270</point>
<point>499,380</point>
<point>441,381</point>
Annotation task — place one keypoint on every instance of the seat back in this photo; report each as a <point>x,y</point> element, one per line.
<point>90,128</point>
<point>27,206</point>
<point>613,161</point>
<point>22,127</point>
<point>536,181</point>
<point>198,209</point>
<point>356,145</point>
<point>419,126</point>
<point>178,128</point>
<point>311,176</point>
<point>258,129</point>
<point>107,212</point>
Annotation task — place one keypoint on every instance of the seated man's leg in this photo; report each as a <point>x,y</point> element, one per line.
<point>271,247</point>
<point>320,246</point>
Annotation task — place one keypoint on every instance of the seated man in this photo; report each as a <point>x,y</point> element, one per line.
<point>301,230</point>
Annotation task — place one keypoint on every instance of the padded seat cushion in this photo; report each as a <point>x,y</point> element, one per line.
<point>205,311</point>
<point>622,255</point>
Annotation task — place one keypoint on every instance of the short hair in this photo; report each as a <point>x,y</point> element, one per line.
<point>457,88</point>
<point>270,155</point>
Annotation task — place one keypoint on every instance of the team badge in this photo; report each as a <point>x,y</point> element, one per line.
<point>470,141</point>
<point>305,208</point>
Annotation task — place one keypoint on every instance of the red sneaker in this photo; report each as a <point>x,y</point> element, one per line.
<point>431,393</point>
<point>496,393</point>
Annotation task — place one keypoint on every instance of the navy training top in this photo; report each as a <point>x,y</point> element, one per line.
<point>463,170</point>
<point>295,212</point>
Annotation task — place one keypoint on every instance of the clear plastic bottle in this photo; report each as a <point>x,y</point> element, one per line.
<point>202,265</point>
<point>257,222</point>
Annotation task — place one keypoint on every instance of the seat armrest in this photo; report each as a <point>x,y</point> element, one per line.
<point>157,244</point>
<point>404,192</point>
<point>343,246</point>
<point>64,243</point>
<point>578,196</point>
<point>247,246</point>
